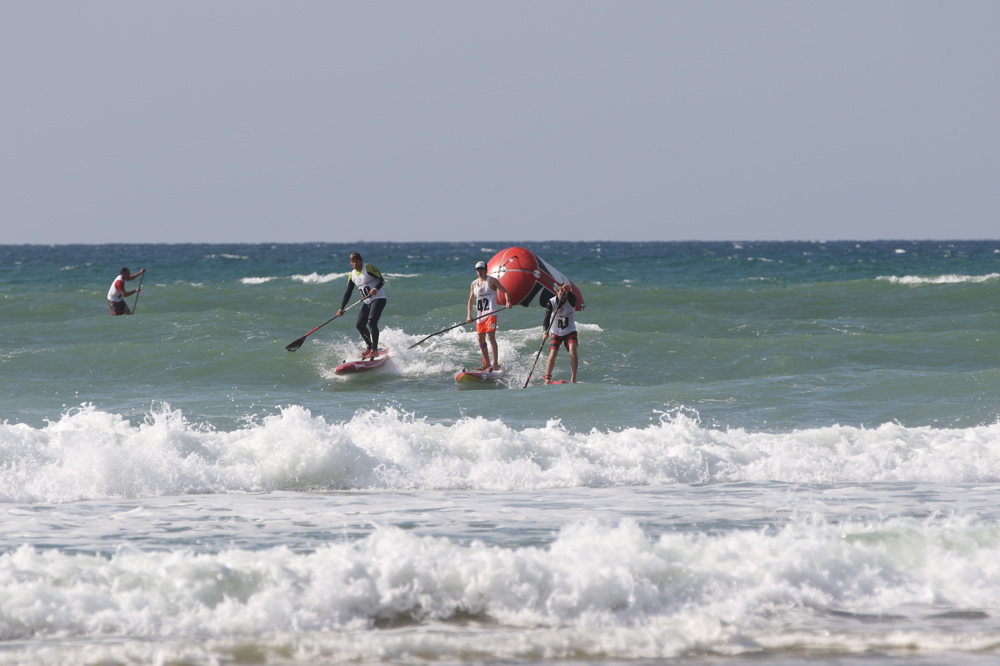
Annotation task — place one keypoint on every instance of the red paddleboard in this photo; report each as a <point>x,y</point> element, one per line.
<point>361,365</point>
<point>477,376</point>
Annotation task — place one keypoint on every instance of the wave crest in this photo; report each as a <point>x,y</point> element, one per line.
<point>89,454</point>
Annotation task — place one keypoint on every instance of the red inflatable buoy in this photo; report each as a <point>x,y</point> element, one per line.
<point>527,277</point>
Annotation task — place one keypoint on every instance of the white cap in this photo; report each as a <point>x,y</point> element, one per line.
<point>481,264</point>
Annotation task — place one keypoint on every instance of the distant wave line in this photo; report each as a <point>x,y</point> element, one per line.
<point>940,279</point>
<point>316,278</point>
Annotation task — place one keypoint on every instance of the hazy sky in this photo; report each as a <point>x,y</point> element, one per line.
<point>252,121</point>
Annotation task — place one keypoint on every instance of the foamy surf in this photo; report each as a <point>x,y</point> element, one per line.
<point>88,453</point>
<point>598,591</point>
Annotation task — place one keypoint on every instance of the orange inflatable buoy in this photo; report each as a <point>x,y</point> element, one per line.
<point>527,277</point>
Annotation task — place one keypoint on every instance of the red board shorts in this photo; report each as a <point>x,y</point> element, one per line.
<point>486,324</point>
<point>556,340</point>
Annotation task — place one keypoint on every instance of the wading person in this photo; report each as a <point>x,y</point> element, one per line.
<point>117,293</point>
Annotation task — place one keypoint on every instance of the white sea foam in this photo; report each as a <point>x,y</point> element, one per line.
<point>939,279</point>
<point>88,453</point>
<point>316,278</point>
<point>257,280</point>
<point>613,591</point>
<point>225,255</point>
<point>447,352</point>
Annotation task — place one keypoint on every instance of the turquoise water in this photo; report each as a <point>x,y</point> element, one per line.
<point>771,444</point>
<point>764,336</point>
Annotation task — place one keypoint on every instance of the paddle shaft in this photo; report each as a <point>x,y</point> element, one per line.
<point>445,330</point>
<point>292,346</point>
<point>545,338</point>
<point>540,347</point>
<point>136,303</point>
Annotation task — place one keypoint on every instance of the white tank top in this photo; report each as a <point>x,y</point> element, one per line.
<point>113,293</point>
<point>366,283</point>
<point>563,318</point>
<point>486,298</point>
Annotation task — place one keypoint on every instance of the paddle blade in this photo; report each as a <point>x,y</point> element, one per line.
<point>292,346</point>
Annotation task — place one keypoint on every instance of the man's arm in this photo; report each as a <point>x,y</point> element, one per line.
<point>347,294</point>
<point>548,318</point>
<point>495,283</point>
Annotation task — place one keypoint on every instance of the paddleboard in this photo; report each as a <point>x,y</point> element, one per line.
<point>361,365</point>
<point>476,376</point>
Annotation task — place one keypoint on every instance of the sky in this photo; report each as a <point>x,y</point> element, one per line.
<point>220,121</point>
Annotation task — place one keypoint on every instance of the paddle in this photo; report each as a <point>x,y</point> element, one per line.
<point>444,330</point>
<point>540,347</point>
<point>136,303</point>
<point>292,346</point>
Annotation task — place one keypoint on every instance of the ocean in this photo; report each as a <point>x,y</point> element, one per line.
<point>776,453</point>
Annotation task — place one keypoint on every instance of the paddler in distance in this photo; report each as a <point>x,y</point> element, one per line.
<point>369,282</point>
<point>117,293</point>
<point>560,314</point>
<point>483,294</point>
